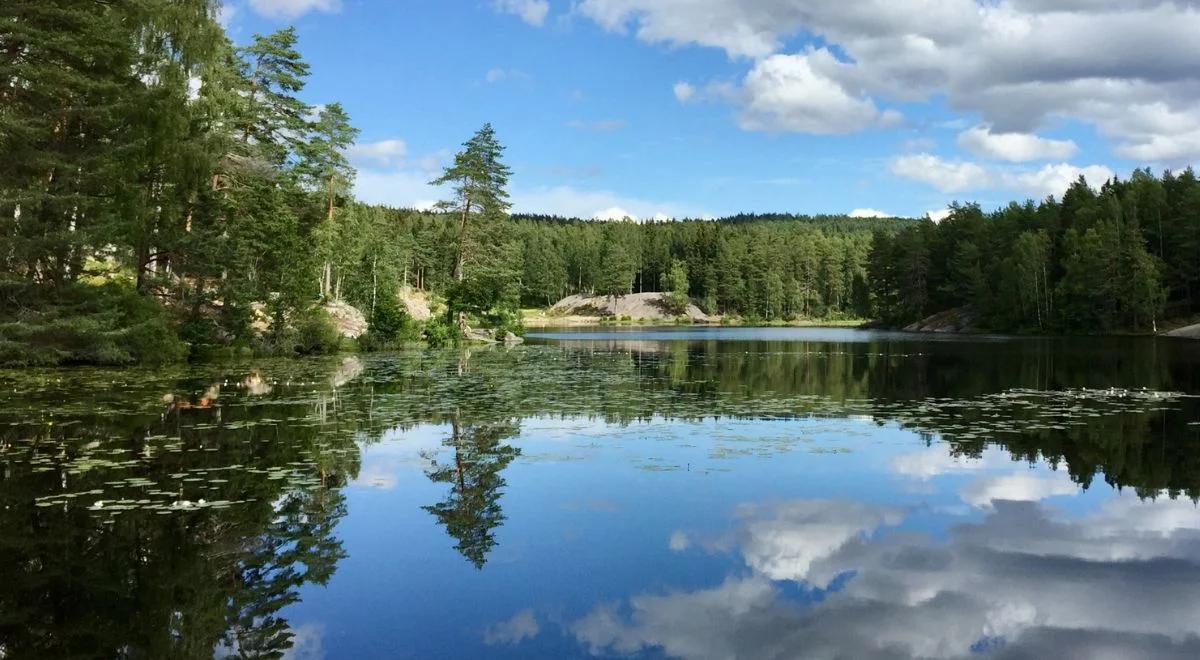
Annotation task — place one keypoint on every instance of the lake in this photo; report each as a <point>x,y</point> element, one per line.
<point>663,493</point>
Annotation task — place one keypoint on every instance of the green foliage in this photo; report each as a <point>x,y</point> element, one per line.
<point>676,298</point>
<point>1087,264</point>
<point>440,332</point>
<point>316,333</point>
<point>83,324</point>
<point>390,327</point>
<point>479,179</point>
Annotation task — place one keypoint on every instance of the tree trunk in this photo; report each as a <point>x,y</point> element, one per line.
<point>462,241</point>
<point>329,217</point>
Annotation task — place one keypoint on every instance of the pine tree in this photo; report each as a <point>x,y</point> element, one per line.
<point>324,169</point>
<point>479,179</point>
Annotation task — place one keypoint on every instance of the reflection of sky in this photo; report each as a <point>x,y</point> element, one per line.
<point>737,538</point>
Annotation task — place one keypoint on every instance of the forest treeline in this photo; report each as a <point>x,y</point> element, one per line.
<point>165,192</point>
<point>1119,259</point>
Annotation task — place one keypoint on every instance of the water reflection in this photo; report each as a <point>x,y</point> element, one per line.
<point>471,511</point>
<point>1026,581</point>
<point>763,498</point>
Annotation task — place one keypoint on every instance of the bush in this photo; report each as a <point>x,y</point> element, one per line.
<point>503,321</point>
<point>440,332</point>
<point>316,333</point>
<point>108,324</point>
<point>389,327</point>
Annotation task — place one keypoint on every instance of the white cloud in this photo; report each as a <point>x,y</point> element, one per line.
<point>574,202</point>
<point>683,91</point>
<point>936,461</point>
<point>938,215</point>
<point>308,643</point>
<point>1117,583</point>
<point>1055,179</point>
<point>946,176</point>
<point>522,626</point>
<point>226,13</point>
<point>533,12</point>
<point>679,541</point>
<point>498,75</point>
<point>613,213</point>
<point>1126,68</point>
<point>385,153</point>
<point>1014,147</point>
<point>290,9</point>
<point>870,213</point>
<point>956,176</point>
<point>1017,487</point>
<point>782,542</point>
<point>796,93</point>
<point>398,188</point>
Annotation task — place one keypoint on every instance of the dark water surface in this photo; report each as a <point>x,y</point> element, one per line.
<point>713,493</point>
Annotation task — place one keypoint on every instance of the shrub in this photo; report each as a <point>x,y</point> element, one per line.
<point>316,333</point>
<point>389,327</point>
<point>506,320</point>
<point>108,324</point>
<point>441,332</point>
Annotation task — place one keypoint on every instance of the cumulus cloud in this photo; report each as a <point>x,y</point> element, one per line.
<point>1014,147</point>
<point>522,626</point>
<point>936,461</point>
<point>1021,582</point>
<point>784,541</point>
<point>1124,67</point>
<point>401,188</point>
<point>955,176</point>
<point>385,153</point>
<point>602,204</point>
<point>946,176</point>
<point>870,213</point>
<point>389,175</point>
<point>291,9</point>
<point>938,215</point>
<point>798,93</point>
<point>613,213</point>
<point>1055,179</point>
<point>533,12</point>
<point>1018,487</point>
<point>683,91</point>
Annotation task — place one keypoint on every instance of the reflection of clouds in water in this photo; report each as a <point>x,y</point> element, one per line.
<point>1018,487</point>
<point>679,541</point>
<point>1119,582</point>
<point>1029,486</point>
<point>379,474</point>
<point>399,451</point>
<point>308,643</point>
<point>522,626</point>
<point>782,542</point>
<point>936,461</point>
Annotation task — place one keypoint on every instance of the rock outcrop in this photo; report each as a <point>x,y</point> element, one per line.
<point>1186,332</point>
<point>636,306</point>
<point>959,319</point>
<point>416,303</point>
<point>350,321</point>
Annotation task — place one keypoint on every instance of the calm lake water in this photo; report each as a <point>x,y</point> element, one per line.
<point>712,493</point>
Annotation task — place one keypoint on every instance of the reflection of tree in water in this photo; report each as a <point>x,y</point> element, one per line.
<point>298,548</point>
<point>190,583</point>
<point>471,511</point>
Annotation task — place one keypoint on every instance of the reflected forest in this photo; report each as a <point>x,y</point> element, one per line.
<point>197,501</point>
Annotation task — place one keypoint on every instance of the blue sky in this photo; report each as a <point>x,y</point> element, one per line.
<point>712,107</point>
